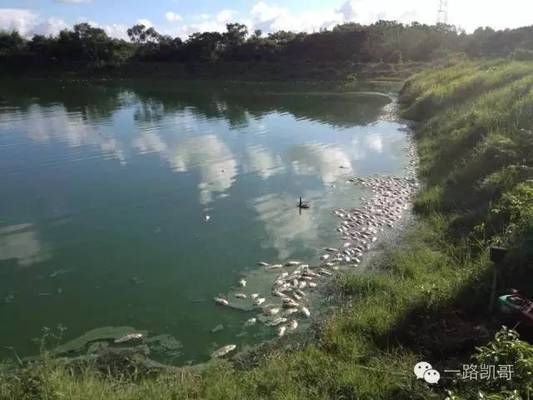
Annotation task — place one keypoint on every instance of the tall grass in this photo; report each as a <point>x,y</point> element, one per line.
<point>426,299</point>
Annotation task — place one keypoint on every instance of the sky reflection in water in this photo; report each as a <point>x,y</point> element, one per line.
<point>112,184</point>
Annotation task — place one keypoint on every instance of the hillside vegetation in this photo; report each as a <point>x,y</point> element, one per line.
<point>426,299</point>
<point>343,52</point>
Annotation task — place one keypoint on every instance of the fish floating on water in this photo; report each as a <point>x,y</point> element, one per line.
<point>132,337</point>
<point>259,301</point>
<point>221,301</point>
<point>278,321</point>
<point>281,330</point>
<point>223,351</point>
<point>293,263</point>
<point>359,229</point>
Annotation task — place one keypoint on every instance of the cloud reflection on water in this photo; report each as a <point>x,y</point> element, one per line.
<point>326,162</point>
<point>262,162</point>
<point>21,242</point>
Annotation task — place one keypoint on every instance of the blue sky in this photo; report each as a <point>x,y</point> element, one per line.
<point>182,17</point>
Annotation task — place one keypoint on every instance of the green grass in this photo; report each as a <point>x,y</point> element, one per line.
<point>426,299</point>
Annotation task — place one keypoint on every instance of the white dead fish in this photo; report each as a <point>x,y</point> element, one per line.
<point>262,264</point>
<point>221,301</point>
<point>306,311</point>
<point>259,301</point>
<point>207,218</point>
<point>250,322</point>
<point>254,296</point>
<point>240,295</point>
<point>281,330</point>
<point>290,311</point>
<point>271,311</point>
<point>278,321</point>
<point>293,263</point>
<point>129,338</point>
<point>312,284</point>
<point>289,303</point>
<point>242,283</point>
<point>324,257</point>
<point>223,351</point>
<point>273,267</point>
<point>293,325</point>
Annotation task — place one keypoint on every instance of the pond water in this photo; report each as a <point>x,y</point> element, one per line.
<point>135,204</point>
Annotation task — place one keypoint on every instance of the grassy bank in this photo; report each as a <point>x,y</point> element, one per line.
<point>426,299</point>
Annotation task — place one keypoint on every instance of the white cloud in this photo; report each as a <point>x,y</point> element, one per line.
<point>145,22</point>
<point>173,17</point>
<point>270,18</point>
<point>18,19</point>
<point>117,31</point>
<point>225,15</point>
<point>51,27</point>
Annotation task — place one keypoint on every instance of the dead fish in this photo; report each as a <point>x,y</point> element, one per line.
<point>263,264</point>
<point>306,311</point>
<point>290,311</point>
<point>221,301</point>
<point>242,283</point>
<point>277,321</point>
<point>273,267</point>
<point>240,295</point>
<point>281,330</point>
<point>129,338</point>
<point>250,322</point>
<point>254,296</point>
<point>271,311</point>
<point>293,325</point>
<point>259,301</point>
<point>289,303</point>
<point>332,249</point>
<point>312,284</point>
<point>223,351</point>
<point>207,218</point>
<point>293,263</point>
<point>324,257</point>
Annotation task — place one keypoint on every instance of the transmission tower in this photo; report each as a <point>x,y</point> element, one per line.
<point>442,14</point>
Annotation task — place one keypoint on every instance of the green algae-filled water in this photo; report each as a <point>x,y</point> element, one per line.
<point>105,189</point>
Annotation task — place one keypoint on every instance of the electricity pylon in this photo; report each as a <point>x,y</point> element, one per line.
<point>442,14</point>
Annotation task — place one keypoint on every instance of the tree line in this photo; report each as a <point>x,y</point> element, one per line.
<point>383,41</point>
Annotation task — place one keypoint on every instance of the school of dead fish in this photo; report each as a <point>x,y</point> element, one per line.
<point>359,229</point>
